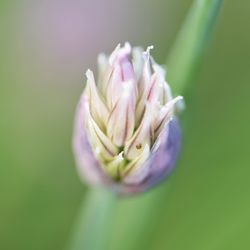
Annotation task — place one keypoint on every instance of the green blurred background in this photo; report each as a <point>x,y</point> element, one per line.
<point>45,48</point>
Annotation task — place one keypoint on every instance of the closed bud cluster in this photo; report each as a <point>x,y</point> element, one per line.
<point>125,136</point>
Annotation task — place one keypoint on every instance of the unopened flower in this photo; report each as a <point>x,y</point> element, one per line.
<point>125,136</point>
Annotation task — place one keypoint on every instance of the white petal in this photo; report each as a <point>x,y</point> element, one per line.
<point>144,84</point>
<point>165,115</point>
<point>104,73</point>
<point>113,55</point>
<point>165,94</point>
<point>136,171</point>
<point>142,135</point>
<point>137,61</point>
<point>153,90</point>
<point>150,94</point>
<point>100,142</point>
<point>121,121</point>
<point>98,109</point>
<point>114,86</point>
<point>146,72</point>
<point>103,64</point>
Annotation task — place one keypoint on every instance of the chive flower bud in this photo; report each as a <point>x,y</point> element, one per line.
<point>126,136</point>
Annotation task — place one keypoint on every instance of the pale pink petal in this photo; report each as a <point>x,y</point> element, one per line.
<point>98,109</point>
<point>121,121</point>
<point>165,115</point>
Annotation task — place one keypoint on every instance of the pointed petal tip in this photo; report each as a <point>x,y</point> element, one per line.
<point>127,46</point>
<point>89,74</point>
<point>170,105</point>
<point>146,53</point>
<point>180,104</point>
<point>126,49</point>
<point>113,55</point>
<point>150,48</point>
<point>101,59</point>
<point>178,98</point>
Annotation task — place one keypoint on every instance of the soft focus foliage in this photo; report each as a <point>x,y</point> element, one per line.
<point>207,204</point>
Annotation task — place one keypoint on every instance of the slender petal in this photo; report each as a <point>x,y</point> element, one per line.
<point>135,172</point>
<point>84,154</point>
<point>143,85</point>
<point>103,145</point>
<point>137,61</point>
<point>122,73</point>
<point>141,137</point>
<point>121,121</point>
<point>166,113</point>
<point>98,109</point>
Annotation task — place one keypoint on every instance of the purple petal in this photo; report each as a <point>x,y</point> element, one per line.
<point>89,167</point>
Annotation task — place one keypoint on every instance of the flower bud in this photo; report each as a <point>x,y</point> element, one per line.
<point>125,136</point>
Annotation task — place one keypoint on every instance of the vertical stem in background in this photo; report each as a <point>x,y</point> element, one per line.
<point>191,43</point>
<point>94,222</point>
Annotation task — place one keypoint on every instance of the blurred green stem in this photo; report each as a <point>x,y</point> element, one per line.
<point>96,213</point>
<point>188,49</point>
<point>94,226</point>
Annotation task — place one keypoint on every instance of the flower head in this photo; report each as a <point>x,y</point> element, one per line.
<point>125,136</point>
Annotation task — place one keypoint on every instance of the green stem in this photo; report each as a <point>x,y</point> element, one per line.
<point>187,52</point>
<point>94,221</point>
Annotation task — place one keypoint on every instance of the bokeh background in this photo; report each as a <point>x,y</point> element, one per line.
<point>45,48</point>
